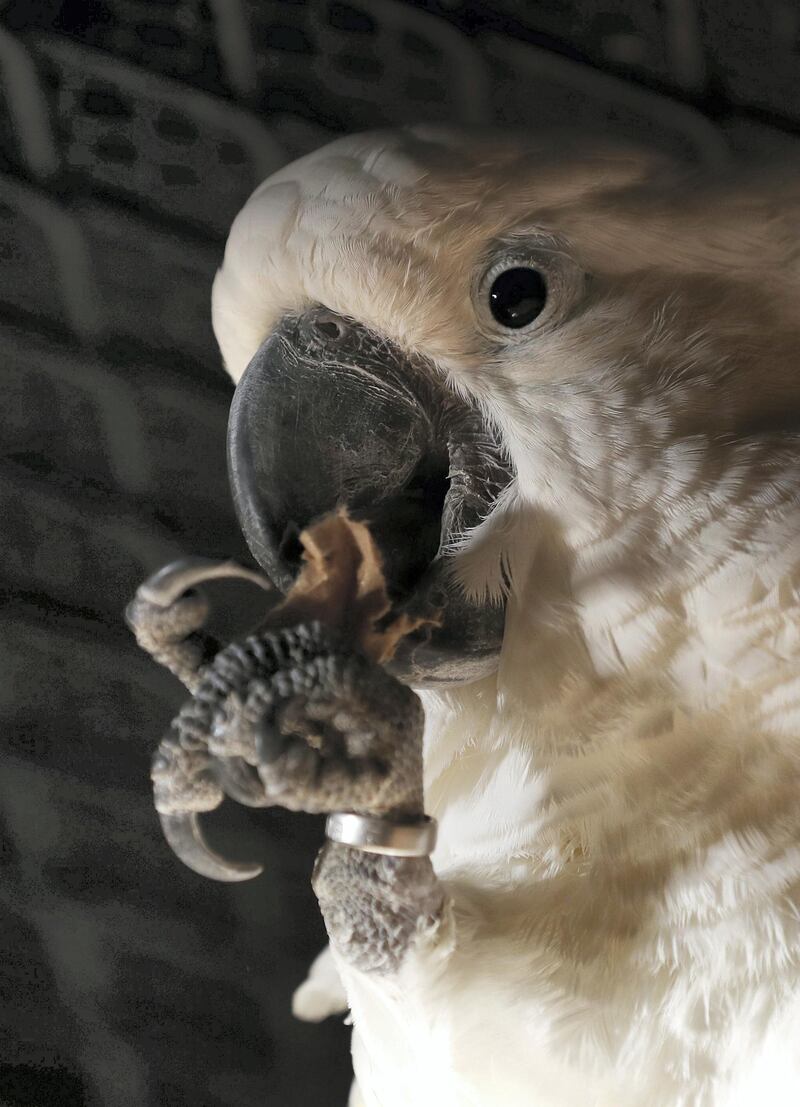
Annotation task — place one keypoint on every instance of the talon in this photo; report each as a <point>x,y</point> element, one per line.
<point>241,782</point>
<point>169,583</point>
<point>186,840</point>
<point>168,612</point>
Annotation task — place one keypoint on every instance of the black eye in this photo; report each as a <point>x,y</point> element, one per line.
<point>517,297</point>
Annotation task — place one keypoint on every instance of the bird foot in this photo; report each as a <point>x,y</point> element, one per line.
<point>295,716</point>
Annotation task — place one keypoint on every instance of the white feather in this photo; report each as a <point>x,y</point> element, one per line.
<point>620,803</point>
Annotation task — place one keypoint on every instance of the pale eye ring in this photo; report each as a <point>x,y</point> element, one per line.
<point>528,284</point>
<point>518,296</point>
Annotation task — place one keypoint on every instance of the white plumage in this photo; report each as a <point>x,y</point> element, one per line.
<point>619,804</point>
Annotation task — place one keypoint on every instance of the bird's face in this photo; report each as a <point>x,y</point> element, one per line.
<point>403,313</point>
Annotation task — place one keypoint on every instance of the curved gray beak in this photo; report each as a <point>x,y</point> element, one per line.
<point>329,415</point>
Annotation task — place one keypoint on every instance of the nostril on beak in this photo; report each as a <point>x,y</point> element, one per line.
<point>328,326</point>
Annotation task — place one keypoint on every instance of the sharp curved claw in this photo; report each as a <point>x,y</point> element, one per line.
<point>241,782</point>
<point>170,582</point>
<point>186,839</point>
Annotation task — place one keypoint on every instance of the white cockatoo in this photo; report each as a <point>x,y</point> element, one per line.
<point>612,737</point>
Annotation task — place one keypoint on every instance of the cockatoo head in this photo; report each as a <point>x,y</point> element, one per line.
<point>428,328</point>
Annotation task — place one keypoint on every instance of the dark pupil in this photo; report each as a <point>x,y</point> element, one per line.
<point>517,297</point>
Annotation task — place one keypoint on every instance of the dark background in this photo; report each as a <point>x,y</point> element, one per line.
<point>130,134</point>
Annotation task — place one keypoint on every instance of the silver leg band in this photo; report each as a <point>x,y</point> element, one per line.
<point>376,835</point>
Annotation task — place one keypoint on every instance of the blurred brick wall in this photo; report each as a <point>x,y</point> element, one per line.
<point>130,133</point>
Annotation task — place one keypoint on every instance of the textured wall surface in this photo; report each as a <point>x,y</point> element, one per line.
<point>130,133</point>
